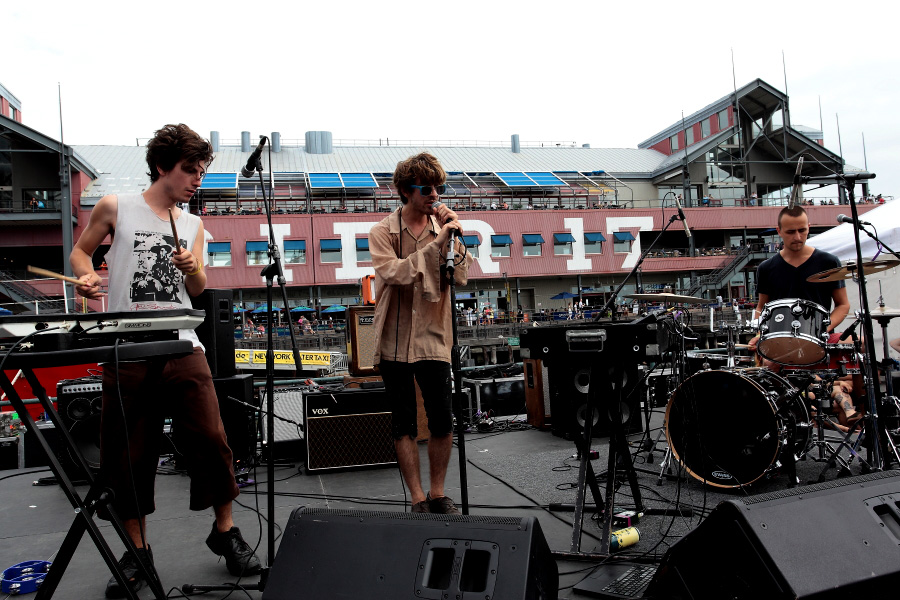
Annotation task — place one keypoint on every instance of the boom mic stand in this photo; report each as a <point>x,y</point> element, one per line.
<point>270,272</point>
<point>449,268</point>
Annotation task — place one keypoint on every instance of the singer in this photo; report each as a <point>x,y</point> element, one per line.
<point>146,272</point>
<point>784,276</point>
<point>413,322</point>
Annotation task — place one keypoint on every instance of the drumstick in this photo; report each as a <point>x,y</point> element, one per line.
<point>46,273</point>
<point>174,233</point>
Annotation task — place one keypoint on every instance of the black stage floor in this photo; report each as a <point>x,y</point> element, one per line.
<point>513,471</point>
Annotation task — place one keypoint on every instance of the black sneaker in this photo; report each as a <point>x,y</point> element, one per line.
<point>239,556</point>
<point>442,506</point>
<point>128,564</point>
<point>421,507</point>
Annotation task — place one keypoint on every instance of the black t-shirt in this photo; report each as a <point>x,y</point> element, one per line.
<point>777,279</point>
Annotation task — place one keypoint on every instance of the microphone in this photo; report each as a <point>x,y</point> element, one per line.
<point>687,230</point>
<point>451,254</point>
<point>250,167</point>
<point>846,219</point>
<point>850,331</point>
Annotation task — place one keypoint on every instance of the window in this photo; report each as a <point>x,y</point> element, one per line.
<point>704,127</point>
<point>295,252</point>
<point>622,241</point>
<point>218,254</point>
<point>471,242</point>
<point>531,244</point>
<point>723,119</point>
<point>500,245</point>
<point>689,136</point>
<point>562,244</point>
<point>593,243</point>
<point>330,251</point>
<point>362,250</point>
<point>673,143</point>
<point>257,253</point>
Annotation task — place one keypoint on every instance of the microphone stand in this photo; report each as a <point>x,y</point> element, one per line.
<point>640,261</point>
<point>270,272</point>
<point>881,459</point>
<point>456,366</point>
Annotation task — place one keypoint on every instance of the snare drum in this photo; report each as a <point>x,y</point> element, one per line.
<point>728,428</point>
<point>840,359</point>
<point>793,332</point>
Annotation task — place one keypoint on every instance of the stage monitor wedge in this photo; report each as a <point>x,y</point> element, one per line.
<point>327,554</point>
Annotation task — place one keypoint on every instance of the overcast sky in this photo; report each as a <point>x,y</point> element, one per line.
<point>583,72</point>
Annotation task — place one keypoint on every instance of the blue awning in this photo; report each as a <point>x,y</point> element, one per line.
<point>342,180</point>
<point>623,236</point>
<point>470,240</point>
<point>218,247</point>
<point>563,238</point>
<point>501,240</point>
<point>295,244</point>
<point>257,246</point>
<point>594,237</point>
<point>330,244</point>
<point>219,181</point>
<point>532,238</point>
<point>362,243</point>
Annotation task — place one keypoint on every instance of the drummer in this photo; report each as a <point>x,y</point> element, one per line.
<point>785,276</point>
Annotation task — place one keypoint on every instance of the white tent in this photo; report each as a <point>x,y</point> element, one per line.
<point>885,285</point>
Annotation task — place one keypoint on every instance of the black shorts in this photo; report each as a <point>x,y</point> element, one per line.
<point>434,380</point>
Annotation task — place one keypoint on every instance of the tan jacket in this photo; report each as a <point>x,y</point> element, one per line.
<point>413,308</point>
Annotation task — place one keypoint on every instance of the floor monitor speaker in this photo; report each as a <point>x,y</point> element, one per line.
<point>330,554</point>
<point>839,539</point>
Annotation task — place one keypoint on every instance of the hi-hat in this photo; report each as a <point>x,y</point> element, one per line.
<point>850,271</point>
<point>884,312</point>
<point>664,297</point>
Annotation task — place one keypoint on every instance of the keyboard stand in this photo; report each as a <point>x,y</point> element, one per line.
<point>97,495</point>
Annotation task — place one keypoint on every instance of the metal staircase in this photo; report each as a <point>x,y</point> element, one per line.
<point>27,295</point>
<point>718,278</point>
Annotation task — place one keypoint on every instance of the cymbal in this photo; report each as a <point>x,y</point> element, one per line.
<point>850,271</point>
<point>664,297</point>
<point>884,312</point>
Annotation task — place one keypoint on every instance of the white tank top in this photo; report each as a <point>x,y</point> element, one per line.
<point>141,273</point>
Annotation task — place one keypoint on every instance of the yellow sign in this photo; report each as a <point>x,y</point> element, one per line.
<point>283,357</point>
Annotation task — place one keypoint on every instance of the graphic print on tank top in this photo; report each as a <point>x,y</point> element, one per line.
<point>155,278</point>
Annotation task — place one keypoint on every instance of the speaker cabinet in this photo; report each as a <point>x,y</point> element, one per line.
<point>351,428</point>
<point>327,554</point>
<point>287,438</point>
<point>216,333</point>
<point>238,419</point>
<point>79,402</point>
<point>361,341</point>
<point>569,387</point>
<point>839,539</point>
<point>537,392</point>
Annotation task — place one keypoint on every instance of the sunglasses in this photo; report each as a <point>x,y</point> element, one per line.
<point>426,190</point>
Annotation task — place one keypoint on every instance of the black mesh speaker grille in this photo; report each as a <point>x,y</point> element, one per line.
<point>349,441</point>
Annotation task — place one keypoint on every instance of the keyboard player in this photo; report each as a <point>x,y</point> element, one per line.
<point>150,270</point>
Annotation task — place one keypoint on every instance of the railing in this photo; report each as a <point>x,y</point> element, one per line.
<point>28,295</point>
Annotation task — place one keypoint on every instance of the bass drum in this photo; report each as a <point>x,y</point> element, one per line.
<point>728,428</point>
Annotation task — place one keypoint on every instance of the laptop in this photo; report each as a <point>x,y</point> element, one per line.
<point>617,581</point>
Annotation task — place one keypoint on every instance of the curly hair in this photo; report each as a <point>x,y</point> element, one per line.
<point>173,143</point>
<point>423,167</point>
<point>793,211</point>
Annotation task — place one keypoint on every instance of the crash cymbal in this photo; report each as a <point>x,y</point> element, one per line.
<point>849,271</point>
<point>663,297</point>
<point>884,312</point>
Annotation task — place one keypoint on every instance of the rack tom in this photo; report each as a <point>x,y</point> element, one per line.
<point>793,332</point>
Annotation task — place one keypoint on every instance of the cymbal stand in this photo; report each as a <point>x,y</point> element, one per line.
<point>679,367</point>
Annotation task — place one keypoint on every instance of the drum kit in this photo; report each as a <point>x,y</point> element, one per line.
<point>732,420</point>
